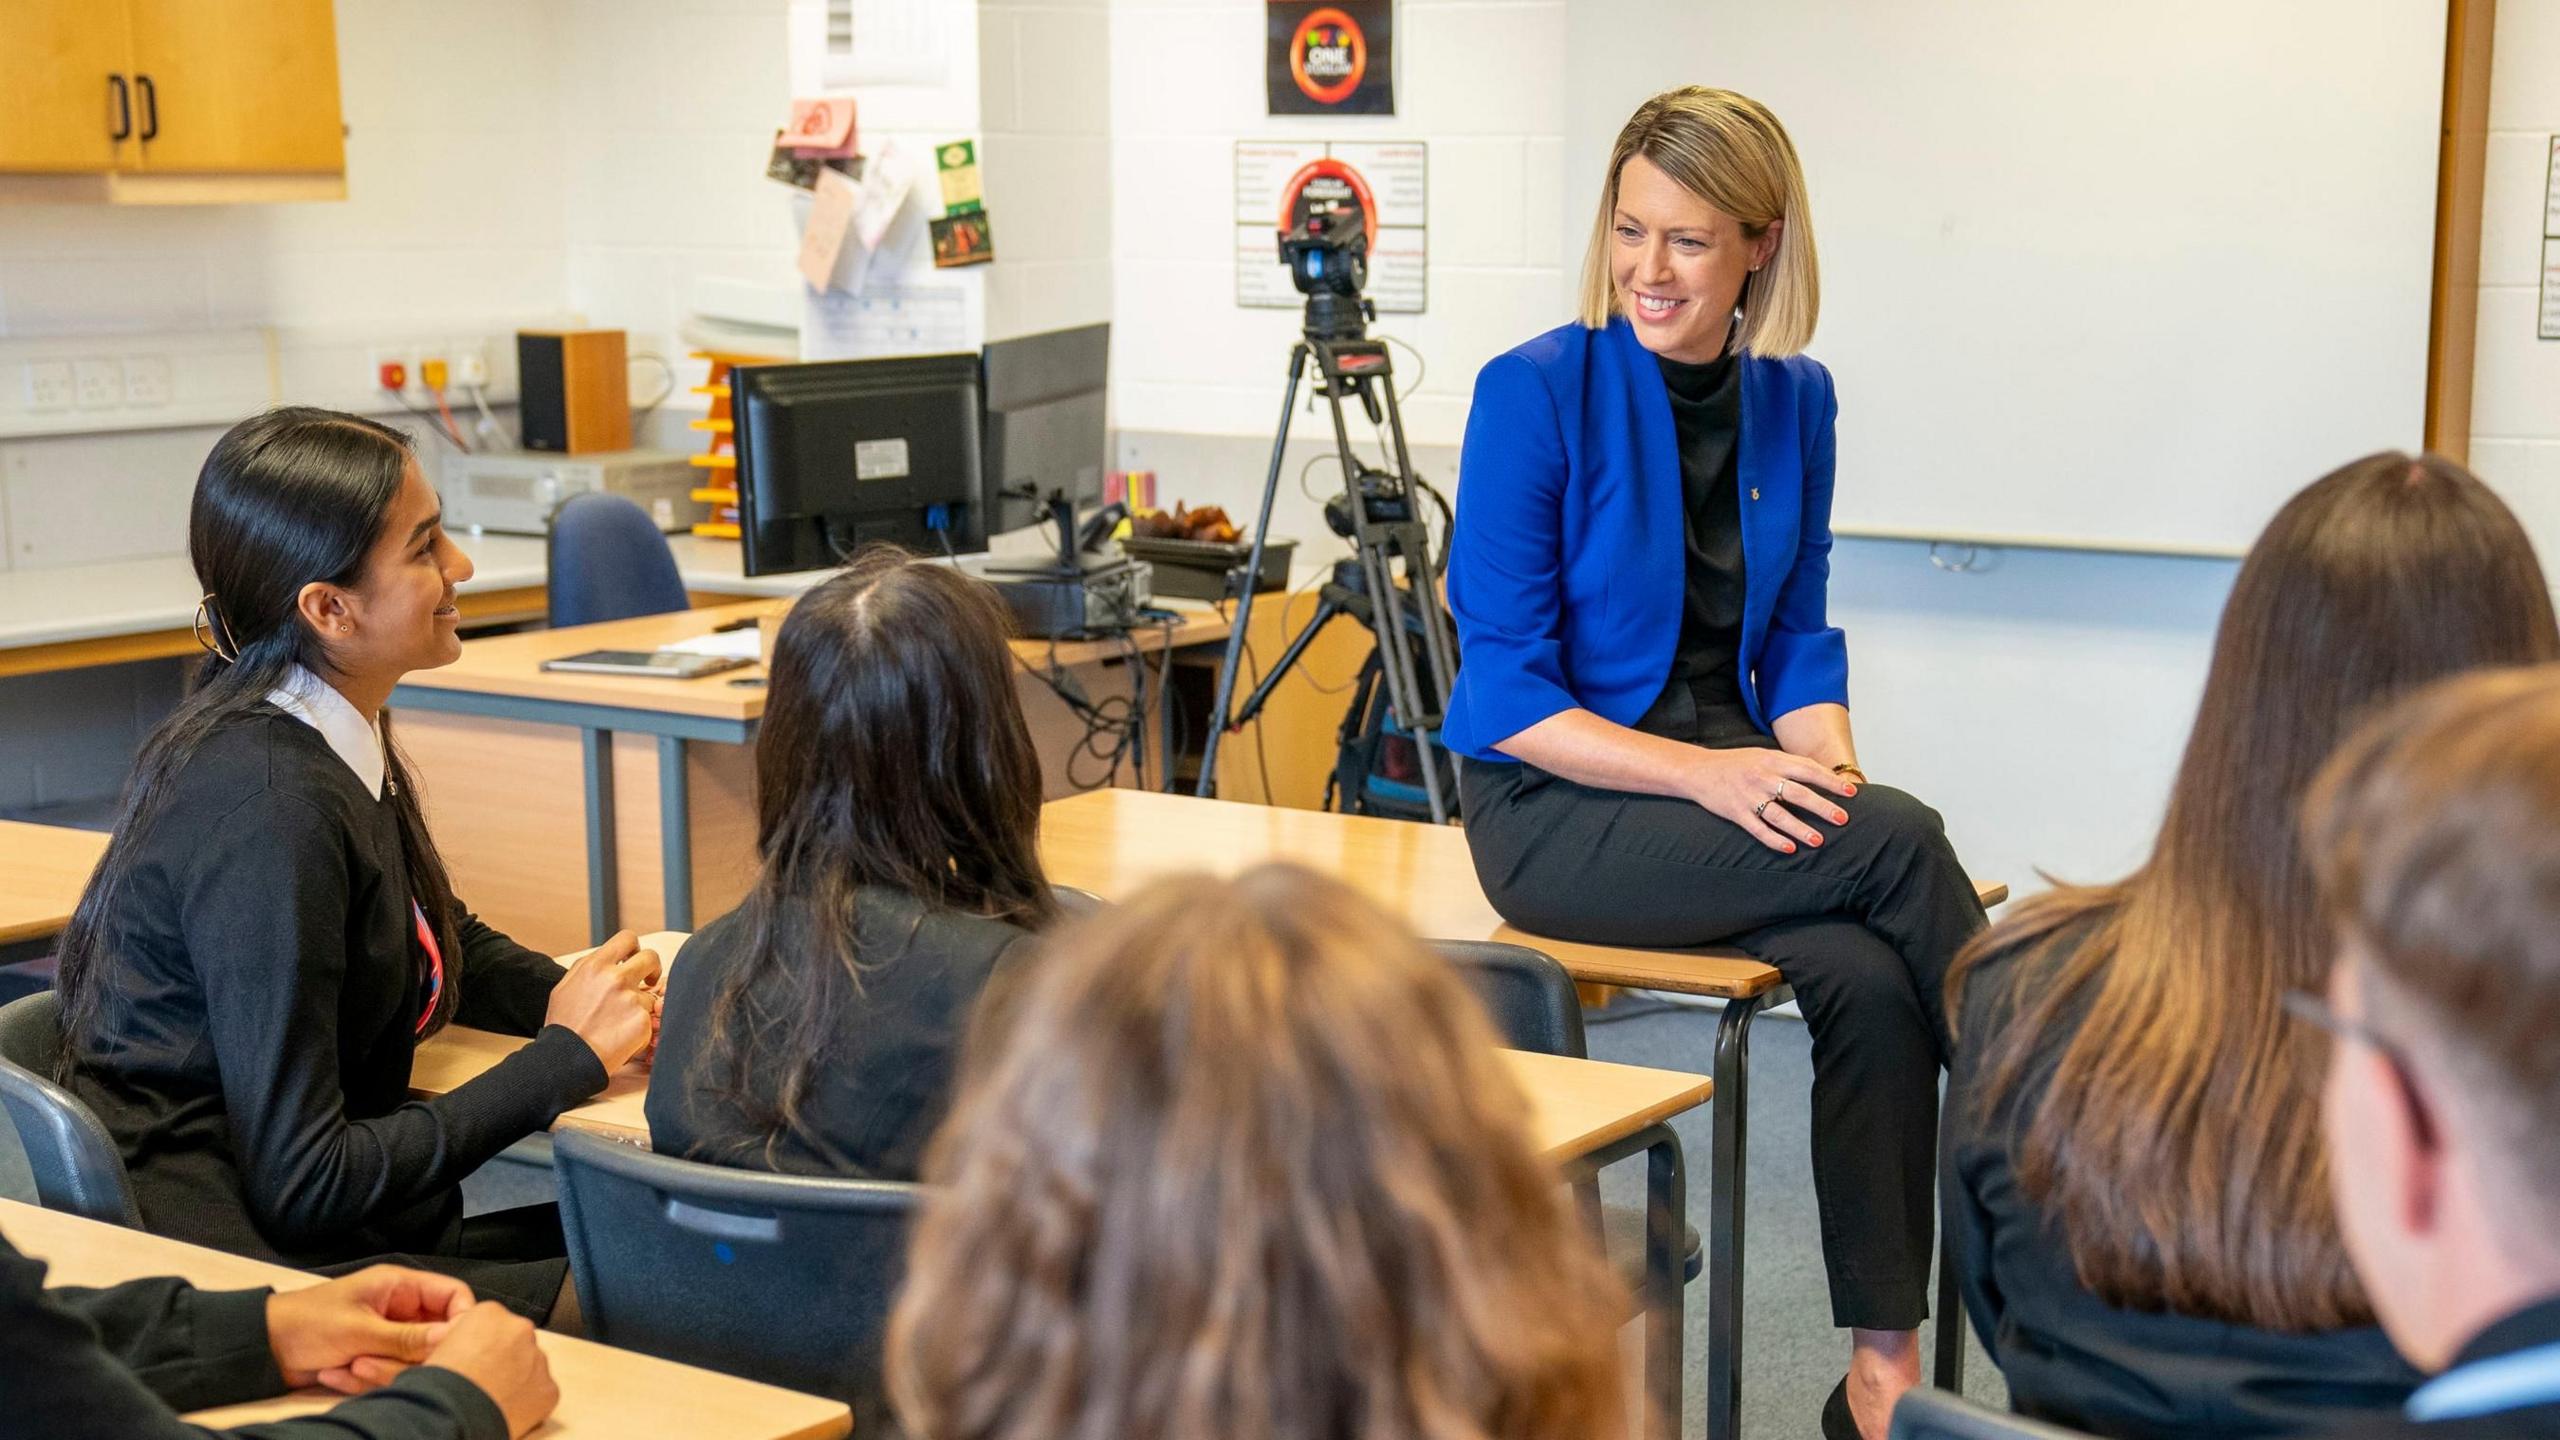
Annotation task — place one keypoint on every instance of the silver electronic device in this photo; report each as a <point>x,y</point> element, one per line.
<point>514,492</point>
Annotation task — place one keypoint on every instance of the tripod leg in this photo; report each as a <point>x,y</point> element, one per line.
<point>1261,696</point>
<point>1227,669</point>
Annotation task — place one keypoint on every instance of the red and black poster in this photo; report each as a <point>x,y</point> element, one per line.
<point>1330,57</point>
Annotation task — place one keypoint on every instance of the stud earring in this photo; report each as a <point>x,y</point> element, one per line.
<point>345,629</point>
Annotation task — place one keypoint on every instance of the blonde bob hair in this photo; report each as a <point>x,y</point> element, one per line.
<point>1729,151</point>
<point>1238,1159</point>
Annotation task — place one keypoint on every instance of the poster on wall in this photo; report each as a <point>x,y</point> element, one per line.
<point>2549,328</point>
<point>1329,57</point>
<point>1391,182</point>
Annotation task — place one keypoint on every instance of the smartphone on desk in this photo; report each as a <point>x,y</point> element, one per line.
<point>659,663</point>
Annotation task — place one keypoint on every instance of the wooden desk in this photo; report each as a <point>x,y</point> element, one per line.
<point>605,1394</point>
<point>533,779</point>
<point>1575,1106</point>
<point>1111,842</point>
<point>43,869</point>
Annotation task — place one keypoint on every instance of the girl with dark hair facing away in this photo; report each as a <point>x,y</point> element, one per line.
<point>1238,1158</point>
<point>271,932</point>
<point>2135,1170</point>
<point>815,1028</point>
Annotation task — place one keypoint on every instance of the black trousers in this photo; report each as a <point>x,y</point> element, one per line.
<point>1862,926</point>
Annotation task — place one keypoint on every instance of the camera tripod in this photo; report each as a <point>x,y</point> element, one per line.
<point>1377,512</point>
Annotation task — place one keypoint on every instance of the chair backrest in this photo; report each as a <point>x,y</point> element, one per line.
<point>609,562</point>
<point>76,1166</point>
<point>1530,995</point>
<point>787,1279</point>
<point>1926,1414</point>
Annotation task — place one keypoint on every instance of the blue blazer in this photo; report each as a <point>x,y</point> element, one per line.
<point>1567,570</point>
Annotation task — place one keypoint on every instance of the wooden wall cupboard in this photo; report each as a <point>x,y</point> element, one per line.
<point>170,101</point>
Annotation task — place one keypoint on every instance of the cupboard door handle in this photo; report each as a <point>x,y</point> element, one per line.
<point>150,107</point>
<point>124,108</point>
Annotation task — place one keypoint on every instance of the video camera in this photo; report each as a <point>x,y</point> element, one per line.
<point>1327,252</point>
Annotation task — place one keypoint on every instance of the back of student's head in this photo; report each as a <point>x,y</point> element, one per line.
<point>893,749</point>
<point>1240,1160</point>
<point>287,498</point>
<point>893,756</point>
<point>2184,1078</point>
<point>2436,836</point>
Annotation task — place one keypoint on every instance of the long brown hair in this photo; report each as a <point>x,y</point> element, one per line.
<point>1244,1163</point>
<point>894,755</point>
<point>2435,836</point>
<point>2177,1144</point>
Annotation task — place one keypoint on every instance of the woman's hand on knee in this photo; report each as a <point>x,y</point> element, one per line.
<point>1763,790</point>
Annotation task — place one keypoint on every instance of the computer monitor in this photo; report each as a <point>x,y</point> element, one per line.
<point>1047,443</point>
<point>841,453</point>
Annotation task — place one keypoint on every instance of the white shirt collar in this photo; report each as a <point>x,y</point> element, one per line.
<point>316,703</point>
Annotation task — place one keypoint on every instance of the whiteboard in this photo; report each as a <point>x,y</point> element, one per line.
<point>2108,275</point>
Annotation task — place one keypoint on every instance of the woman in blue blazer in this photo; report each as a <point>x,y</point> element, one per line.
<point>1652,709</point>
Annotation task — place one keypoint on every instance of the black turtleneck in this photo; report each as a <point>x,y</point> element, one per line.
<point>1702,700</point>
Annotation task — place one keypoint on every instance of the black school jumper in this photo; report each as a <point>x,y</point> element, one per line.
<point>894,1060</point>
<point>260,993</point>
<point>116,1364</point>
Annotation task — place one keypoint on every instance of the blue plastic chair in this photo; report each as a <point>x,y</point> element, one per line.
<point>787,1279</point>
<point>609,562</point>
<point>76,1165</point>
<point>1533,1003</point>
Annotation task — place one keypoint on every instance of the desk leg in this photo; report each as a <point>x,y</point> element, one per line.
<point>604,903</point>
<point>675,833</point>
<point>1164,715</point>
<point>1724,1214</point>
<point>1666,1227</point>
<point>1951,1316</point>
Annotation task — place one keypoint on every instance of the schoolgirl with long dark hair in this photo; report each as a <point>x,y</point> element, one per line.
<point>271,933</point>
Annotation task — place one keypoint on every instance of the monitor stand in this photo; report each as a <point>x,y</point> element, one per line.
<point>1073,591</point>
<point>1076,555</point>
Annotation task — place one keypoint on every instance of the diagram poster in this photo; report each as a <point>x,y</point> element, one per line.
<point>1393,178</point>
<point>1329,57</point>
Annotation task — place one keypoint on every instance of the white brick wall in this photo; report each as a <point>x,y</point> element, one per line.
<point>1045,77</point>
<point>2515,405</point>
<point>1482,82</point>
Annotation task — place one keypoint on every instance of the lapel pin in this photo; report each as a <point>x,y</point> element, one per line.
<point>1755,492</point>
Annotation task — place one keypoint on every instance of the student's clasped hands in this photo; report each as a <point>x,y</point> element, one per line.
<point>610,997</point>
<point>356,1333</point>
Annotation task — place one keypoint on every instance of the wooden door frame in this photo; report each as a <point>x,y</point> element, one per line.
<point>2453,315</point>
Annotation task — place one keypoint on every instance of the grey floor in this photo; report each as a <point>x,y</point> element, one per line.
<point>1792,1355</point>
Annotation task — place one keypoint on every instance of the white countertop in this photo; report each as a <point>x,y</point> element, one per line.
<point>138,597</point>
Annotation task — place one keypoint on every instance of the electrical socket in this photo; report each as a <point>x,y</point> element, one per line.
<point>147,380</point>
<point>49,385</point>
<point>406,357</point>
<point>471,369</point>
<point>97,384</point>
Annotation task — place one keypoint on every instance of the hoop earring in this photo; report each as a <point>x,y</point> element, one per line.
<point>209,637</point>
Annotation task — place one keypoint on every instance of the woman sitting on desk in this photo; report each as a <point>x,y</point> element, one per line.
<point>271,932</point>
<point>815,1028</point>
<point>1652,708</point>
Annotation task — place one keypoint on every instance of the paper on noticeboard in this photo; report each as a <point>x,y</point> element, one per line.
<point>921,315</point>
